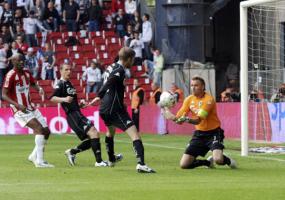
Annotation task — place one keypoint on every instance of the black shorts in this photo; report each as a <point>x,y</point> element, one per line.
<point>79,124</point>
<point>203,141</point>
<point>120,119</point>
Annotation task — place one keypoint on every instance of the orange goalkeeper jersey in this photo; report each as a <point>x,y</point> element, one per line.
<point>204,108</point>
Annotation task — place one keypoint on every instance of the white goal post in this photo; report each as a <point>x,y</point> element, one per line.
<point>274,6</point>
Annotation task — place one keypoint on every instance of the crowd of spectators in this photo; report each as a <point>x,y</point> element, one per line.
<point>21,20</point>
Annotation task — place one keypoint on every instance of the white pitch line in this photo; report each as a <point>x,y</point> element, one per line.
<point>179,148</point>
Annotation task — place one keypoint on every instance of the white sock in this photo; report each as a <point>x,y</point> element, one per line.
<point>40,143</point>
<point>34,152</point>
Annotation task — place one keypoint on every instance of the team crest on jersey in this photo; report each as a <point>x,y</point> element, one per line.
<point>200,104</point>
<point>71,91</point>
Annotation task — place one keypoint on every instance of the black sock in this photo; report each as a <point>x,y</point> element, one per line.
<point>85,145</point>
<point>110,148</point>
<point>227,161</point>
<point>198,163</point>
<point>139,151</point>
<point>96,148</point>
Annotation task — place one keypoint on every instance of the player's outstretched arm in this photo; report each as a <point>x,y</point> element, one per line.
<point>168,114</point>
<point>95,101</point>
<point>67,99</point>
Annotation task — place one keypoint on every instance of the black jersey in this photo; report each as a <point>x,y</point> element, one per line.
<point>63,89</point>
<point>112,91</point>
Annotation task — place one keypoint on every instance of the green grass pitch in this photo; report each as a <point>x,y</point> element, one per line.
<point>258,177</point>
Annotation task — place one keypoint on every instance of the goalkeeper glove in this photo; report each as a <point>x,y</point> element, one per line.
<point>181,120</point>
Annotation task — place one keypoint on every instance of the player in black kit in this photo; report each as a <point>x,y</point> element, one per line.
<point>113,111</point>
<point>65,94</point>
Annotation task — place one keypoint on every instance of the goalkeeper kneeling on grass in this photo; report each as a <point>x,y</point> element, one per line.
<point>208,134</point>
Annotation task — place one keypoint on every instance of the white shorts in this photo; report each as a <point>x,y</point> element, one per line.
<point>24,118</point>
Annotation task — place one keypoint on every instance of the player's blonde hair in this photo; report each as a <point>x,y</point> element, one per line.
<point>125,53</point>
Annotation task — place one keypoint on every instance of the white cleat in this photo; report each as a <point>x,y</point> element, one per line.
<point>211,160</point>
<point>70,157</point>
<point>101,164</point>
<point>144,169</point>
<point>32,158</point>
<point>44,164</point>
<point>233,164</point>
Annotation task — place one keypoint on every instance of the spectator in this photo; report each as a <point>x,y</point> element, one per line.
<point>179,94</point>
<point>48,52</point>
<point>48,68</point>
<point>7,16</point>
<point>20,44</point>
<point>130,8</point>
<point>94,15</point>
<point>18,18</point>
<point>120,23</point>
<point>137,101</point>
<point>279,96</point>
<point>256,94</point>
<point>30,28</point>
<point>58,6</point>
<point>129,36</point>
<point>226,95</point>
<point>71,15</point>
<point>51,18</point>
<point>138,46</point>
<point>18,32</point>
<point>137,23</point>
<point>146,36</point>
<point>38,8</point>
<point>93,77</point>
<point>31,63</point>
<point>13,51</point>
<point>116,5</point>
<point>231,93</point>
<point>21,5</point>
<point>6,34</point>
<point>154,69</point>
<point>3,65</point>
<point>155,94</point>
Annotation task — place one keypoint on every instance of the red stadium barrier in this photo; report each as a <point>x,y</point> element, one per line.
<point>151,121</point>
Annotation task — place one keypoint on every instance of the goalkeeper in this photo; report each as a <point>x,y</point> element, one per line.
<point>208,134</point>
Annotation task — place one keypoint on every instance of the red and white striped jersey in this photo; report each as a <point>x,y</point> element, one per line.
<point>18,85</point>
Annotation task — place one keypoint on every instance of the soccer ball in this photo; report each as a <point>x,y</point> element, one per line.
<point>167,100</point>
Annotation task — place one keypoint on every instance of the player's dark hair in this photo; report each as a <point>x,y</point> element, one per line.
<point>125,53</point>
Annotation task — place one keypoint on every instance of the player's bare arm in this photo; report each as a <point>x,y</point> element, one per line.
<point>179,120</point>
<point>95,101</point>
<point>67,99</point>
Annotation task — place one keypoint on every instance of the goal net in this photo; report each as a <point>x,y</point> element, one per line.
<point>262,25</point>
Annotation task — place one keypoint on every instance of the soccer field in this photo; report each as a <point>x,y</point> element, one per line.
<point>258,177</point>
